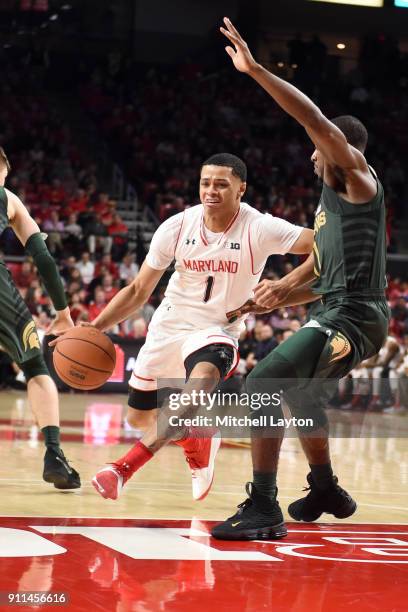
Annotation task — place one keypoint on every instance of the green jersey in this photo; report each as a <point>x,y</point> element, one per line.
<point>350,245</point>
<point>4,220</point>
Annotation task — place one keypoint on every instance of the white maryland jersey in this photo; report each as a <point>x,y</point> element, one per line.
<point>384,350</point>
<point>216,273</point>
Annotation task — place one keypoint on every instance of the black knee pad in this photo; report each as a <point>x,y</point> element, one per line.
<point>219,354</point>
<point>149,400</point>
<point>34,367</point>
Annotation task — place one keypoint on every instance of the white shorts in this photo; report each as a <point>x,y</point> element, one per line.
<point>160,362</point>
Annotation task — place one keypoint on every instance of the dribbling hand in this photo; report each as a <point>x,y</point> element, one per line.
<point>246,308</point>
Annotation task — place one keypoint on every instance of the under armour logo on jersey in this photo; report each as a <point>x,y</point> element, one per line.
<point>188,241</point>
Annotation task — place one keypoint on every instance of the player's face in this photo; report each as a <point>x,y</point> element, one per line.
<point>317,160</point>
<point>3,175</point>
<point>219,188</point>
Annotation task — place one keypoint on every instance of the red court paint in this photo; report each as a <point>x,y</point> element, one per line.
<point>153,565</point>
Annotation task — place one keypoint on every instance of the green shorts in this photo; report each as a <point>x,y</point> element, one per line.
<point>356,330</point>
<point>18,334</point>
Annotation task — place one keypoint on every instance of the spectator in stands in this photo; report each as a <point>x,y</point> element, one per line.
<point>119,231</point>
<point>78,202</point>
<point>86,268</point>
<point>138,329</point>
<point>97,235</point>
<point>109,287</point>
<point>264,344</point>
<point>77,307</point>
<point>26,275</point>
<point>106,265</point>
<point>128,268</point>
<point>98,304</point>
<point>54,228</point>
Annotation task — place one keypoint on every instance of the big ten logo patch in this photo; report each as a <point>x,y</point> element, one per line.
<point>233,246</point>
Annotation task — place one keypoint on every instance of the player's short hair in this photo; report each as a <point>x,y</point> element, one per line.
<point>238,167</point>
<point>4,160</point>
<point>354,131</point>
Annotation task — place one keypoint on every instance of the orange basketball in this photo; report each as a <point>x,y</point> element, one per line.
<point>84,358</point>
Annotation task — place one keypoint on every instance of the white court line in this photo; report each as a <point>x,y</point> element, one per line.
<point>195,518</point>
<point>188,490</point>
<point>181,487</point>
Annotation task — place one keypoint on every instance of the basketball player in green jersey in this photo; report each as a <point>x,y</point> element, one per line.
<point>351,323</point>
<point>18,334</point>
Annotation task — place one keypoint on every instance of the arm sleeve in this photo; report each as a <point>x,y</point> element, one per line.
<point>163,245</point>
<point>47,268</point>
<point>273,236</point>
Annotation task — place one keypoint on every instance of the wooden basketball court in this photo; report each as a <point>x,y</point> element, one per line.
<point>151,550</point>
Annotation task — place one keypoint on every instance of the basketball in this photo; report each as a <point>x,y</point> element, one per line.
<point>84,358</point>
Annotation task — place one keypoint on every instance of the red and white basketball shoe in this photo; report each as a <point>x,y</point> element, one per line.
<point>109,481</point>
<point>200,455</point>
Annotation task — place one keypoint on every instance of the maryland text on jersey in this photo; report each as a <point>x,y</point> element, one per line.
<point>211,265</point>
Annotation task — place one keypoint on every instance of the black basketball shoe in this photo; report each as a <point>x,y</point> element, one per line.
<point>258,518</point>
<point>334,500</point>
<point>58,471</point>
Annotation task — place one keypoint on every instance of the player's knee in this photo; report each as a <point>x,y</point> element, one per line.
<point>273,374</point>
<point>210,362</point>
<point>205,370</point>
<point>141,419</point>
<point>34,367</point>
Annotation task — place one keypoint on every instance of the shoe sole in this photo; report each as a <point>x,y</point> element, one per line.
<point>214,450</point>
<point>274,532</point>
<point>344,512</point>
<point>103,492</point>
<point>61,482</point>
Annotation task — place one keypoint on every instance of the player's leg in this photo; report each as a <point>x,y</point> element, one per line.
<point>19,337</point>
<point>325,495</point>
<point>142,420</point>
<point>142,415</point>
<point>43,399</point>
<point>260,516</point>
<point>204,369</point>
<point>289,367</point>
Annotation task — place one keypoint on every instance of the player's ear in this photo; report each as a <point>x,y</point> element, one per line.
<point>242,189</point>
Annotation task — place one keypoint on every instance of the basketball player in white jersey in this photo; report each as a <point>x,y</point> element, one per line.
<point>220,248</point>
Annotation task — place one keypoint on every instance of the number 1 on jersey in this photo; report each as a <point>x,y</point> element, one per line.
<point>208,288</point>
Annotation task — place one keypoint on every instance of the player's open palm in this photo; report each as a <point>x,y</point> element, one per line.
<point>61,324</point>
<point>239,52</point>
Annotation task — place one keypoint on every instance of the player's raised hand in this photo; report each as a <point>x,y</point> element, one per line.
<point>60,324</point>
<point>246,308</point>
<point>239,52</point>
<point>269,294</point>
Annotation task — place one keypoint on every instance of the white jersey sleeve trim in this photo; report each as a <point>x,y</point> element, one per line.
<point>164,243</point>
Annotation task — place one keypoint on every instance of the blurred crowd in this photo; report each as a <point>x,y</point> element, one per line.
<point>198,112</point>
<point>49,173</point>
